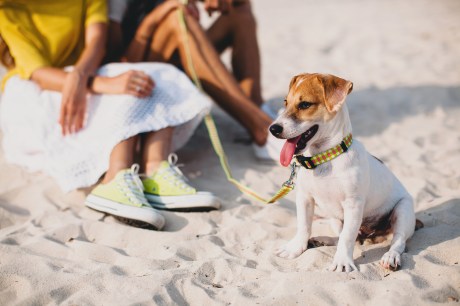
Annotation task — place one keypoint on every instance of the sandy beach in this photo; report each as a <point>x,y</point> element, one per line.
<point>403,58</point>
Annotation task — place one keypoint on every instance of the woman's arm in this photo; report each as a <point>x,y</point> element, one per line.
<point>132,82</point>
<point>73,85</point>
<point>51,78</point>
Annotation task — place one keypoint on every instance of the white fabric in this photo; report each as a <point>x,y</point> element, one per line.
<point>32,136</point>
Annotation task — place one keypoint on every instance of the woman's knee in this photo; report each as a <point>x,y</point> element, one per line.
<point>164,16</point>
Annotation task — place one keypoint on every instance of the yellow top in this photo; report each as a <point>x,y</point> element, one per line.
<point>43,33</point>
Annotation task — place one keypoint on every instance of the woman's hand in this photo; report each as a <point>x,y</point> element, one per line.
<point>73,105</point>
<point>133,82</point>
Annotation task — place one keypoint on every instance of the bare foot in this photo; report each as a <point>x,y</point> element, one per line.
<point>259,128</point>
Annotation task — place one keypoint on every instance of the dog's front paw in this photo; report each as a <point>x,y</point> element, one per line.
<point>342,263</point>
<point>391,260</point>
<point>293,248</point>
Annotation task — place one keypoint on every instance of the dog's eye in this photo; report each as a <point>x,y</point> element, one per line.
<point>304,105</point>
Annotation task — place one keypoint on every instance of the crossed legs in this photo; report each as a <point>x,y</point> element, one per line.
<point>237,30</point>
<point>168,45</point>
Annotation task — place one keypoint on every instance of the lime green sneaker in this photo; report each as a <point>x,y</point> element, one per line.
<point>124,197</point>
<point>168,189</point>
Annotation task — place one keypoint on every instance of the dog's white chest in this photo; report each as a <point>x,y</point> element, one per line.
<point>328,193</point>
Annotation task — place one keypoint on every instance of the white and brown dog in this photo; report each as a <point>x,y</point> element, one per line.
<point>342,182</point>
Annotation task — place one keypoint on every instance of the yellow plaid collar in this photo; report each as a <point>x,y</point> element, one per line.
<point>328,155</point>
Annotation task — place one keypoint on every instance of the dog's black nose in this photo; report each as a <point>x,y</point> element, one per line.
<point>276,129</point>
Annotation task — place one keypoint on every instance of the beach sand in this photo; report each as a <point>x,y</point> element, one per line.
<point>403,57</point>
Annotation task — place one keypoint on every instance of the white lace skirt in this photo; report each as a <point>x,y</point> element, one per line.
<point>32,136</point>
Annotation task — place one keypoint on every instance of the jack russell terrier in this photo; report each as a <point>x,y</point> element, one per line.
<point>341,180</point>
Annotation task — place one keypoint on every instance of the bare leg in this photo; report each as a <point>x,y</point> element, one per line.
<point>122,157</point>
<point>217,81</point>
<point>238,31</point>
<point>157,147</point>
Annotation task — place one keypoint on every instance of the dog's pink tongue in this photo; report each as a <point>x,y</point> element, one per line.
<point>288,151</point>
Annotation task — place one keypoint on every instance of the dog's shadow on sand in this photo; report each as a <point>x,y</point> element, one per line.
<point>445,217</point>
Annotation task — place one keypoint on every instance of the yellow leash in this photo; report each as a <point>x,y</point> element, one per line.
<point>214,136</point>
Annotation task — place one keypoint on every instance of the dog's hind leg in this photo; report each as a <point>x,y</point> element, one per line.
<point>403,225</point>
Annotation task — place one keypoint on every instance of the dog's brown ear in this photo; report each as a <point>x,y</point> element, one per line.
<point>335,91</point>
<point>293,80</point>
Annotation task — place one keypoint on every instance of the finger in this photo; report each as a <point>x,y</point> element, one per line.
<point>142,88</point>
<point>65,128</point>
<point>65,120</point>
<point>62,115</point>
<point>69,121</point>
<point>150,81</point>
<point>135,93</point>
<point>61,124</point>
<point>140,73</point>
<point>143,81</point>
<point>81,114</point>
<point>139,78</point>
<point>79,120</point>
<point>144,76</point>
<point>73,118</point>
<point>141,91</point>
<point>149,86</point>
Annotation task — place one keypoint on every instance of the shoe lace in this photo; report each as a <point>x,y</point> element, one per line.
<point>132,186</point>
<point>176,176</point>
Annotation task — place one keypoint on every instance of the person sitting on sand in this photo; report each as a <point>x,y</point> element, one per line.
<point>64,116</point>
<point>147,30</point>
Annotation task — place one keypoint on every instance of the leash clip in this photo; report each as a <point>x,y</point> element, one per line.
<point>291,181</point>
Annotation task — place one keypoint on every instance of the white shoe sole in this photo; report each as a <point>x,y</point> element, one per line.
<point>201,201</point>
<point>144,214</point>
